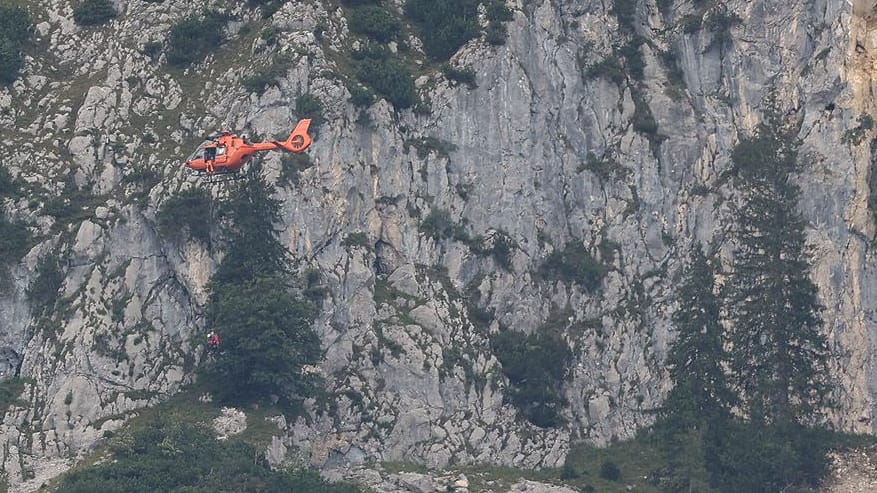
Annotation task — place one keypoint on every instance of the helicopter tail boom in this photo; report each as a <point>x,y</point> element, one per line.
<point>298,140</point>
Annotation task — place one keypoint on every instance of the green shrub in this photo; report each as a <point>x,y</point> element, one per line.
<point>360,96</point>
<point>691,23</point>
<point>356,239</point>
<point>501,248</point>
<point>426,145</point>
<point>391,79</point>
<point>643,120</point>
<point>625,12</point>
<point>145,177</point>
<point>609,68</point>
<point>497,13</point>
<point>8,185</point>
<point>15,30</point>
<point>192,39</point>
<point>15,24</point>
<point>151,48</point>
<point>460,75</point>
<point>634,64</point>
<point>10,391</point>
<point>43,290</point>
<point>270,35</point>
<point>720,22</point>
<point>291,166</point>
<point>170,451</point>
<point>496,34</point>
<point>72,205</point>
<point>574,264</point>
<point>438,225</point>
<point>15,240</point>
<point>375,22</point>
<point>749,457</point>
<point>857,134</point>
<point>189,211</point>
<point>606,168</point>
<point>11,61</point>
<point>610,471</point>
<point>261,79</point>
<point>536,366</point>
<point>309,106</point>
<point>444,26</point>
<point>93,12</point>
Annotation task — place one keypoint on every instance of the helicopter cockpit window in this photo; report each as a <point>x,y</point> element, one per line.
<point>199,152</point>
<point>220,150</point>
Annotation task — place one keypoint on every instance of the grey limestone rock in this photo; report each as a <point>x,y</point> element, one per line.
<point>545,152</point>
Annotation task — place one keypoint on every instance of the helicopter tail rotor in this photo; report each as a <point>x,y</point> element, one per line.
<point>299,139</point>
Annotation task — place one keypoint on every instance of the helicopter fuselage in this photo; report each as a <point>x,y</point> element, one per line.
<point>229,152</point>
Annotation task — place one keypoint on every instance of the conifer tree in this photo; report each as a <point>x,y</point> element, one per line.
<point>263,320</point>
<point>253,247</point>
<point>697,407</point>
<point>779,354</point>
<point>700,389</point>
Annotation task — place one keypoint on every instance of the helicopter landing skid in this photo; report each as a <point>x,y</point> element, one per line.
<point>217,176</point>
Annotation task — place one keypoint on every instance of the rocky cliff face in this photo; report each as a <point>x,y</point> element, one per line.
<point>545,151</point>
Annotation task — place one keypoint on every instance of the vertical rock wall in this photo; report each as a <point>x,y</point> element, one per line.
<point>545,152</point>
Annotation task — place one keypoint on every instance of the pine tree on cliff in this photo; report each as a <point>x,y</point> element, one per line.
<point>698,406</point>
<point>253,248</point>
<point>263,321</point>
<point>779,355</point>
<point>700,388</point>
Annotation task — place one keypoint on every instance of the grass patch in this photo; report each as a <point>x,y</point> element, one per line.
<point>615,468</point>
<point>172,448</point>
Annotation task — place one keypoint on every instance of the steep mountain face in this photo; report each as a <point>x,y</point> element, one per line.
<point>552,148</point>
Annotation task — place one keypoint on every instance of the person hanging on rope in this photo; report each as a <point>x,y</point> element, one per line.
<point>213,341</point>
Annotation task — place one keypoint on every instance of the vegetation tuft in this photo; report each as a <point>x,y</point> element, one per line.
<point>460,75</point>
<point>536,366</point>
<point>94,12</point>
<point>389,77</point>
<point>443,27</point>
<point>309,106</point>
<point>10,392</point>
<point>43,290</point>
<point>574,264</point>
<point>15,32</point>
<point>261,79</point>
<point>170,451</point>
<point>438,225</point>
<point>192,39</point>
<point>426,145</point>
<point>187,212</point>
<point>291,166</point>
<point>374,22</point>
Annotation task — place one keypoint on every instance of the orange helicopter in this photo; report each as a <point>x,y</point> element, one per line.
<point>228,153</point>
